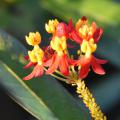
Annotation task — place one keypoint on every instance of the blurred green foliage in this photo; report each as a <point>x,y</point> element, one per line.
<point>19,17</point>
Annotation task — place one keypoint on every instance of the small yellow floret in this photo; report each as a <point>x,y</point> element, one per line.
<point>33,38</point>
<point>84,46</point>
<point>88,47</point>
<point>59,43</point>
<point>80,23</point>
<point>32,56</point>
<point>51,26</point>
<point>92,45</point>
<point>84,29</point>
<point>36,55</point>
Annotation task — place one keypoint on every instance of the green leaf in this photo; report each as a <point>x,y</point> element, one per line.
<point>23,95</point>
<point>63,105</point>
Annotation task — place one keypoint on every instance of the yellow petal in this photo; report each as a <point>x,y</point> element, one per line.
<point>84,46</point>
<point>58,43</point>
<point>51,26</point>
<point>33,38</point>
<point>32,56</point>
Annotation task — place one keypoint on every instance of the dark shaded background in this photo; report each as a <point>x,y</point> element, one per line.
<point>19,17</point>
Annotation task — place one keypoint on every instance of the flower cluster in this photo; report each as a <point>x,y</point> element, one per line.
<point>56,58</point>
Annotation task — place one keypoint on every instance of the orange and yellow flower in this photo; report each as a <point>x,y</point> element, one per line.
<point>56,57</point>
<point>90,36</point>
<point>59,59</point>
<point>35,56</point>
<point>86,31</point>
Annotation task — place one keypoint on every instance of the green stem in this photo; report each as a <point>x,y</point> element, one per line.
<point>59,78</point>
<point>58,72</point>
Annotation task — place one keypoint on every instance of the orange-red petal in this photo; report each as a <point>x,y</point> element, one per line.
<point>30,76</point>
<point>63,65</point>
<point>75,37</point>
<point>73,34</point>
<point>84,71</point>
<point>96,65</point>
<point>97,34</point>
<point>37,71</point>
<point>97,68</point>
<point>54,66</point>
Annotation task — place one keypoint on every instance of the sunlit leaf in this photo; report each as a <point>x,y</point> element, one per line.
<point>23,95</point>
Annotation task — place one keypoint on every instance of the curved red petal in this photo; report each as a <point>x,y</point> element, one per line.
<point>73,34</point>
<point>64,65</point>
<point>97,34</point>
<point>54,66</point>
<point>75,37</point>
<point>30,76</point>
<point>84,72</point>
<point>39,71</point>
<point>97,68</point>
<point>36,72</point>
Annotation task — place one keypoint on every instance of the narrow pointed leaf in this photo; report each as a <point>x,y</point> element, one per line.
<point>23,95</point>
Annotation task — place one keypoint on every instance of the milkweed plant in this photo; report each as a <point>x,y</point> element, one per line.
<point>55,59</point>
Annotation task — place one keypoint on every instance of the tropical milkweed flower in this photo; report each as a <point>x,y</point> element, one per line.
<point>90,35</point>
<point>86,31</point>
<point>59,59</point>
<point>56,60</point>
<point>35,56</point>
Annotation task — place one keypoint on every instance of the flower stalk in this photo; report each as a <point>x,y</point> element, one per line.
<point>89,101</point>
